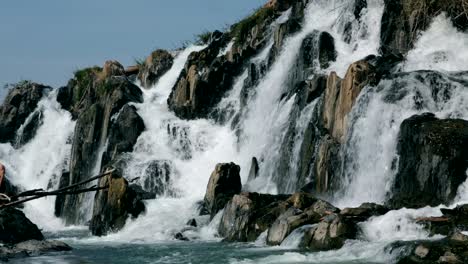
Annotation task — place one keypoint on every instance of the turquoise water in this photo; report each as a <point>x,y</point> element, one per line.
<point>88,249</point>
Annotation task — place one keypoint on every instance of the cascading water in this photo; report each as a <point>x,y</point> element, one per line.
<point>39,163</point>
<point>176,156</point>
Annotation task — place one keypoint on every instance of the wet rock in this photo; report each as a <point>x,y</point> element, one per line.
<point>254,168</point>
<point>15,227</point>
<point>322,208</point>
<point>364,211</point>
<point>318,50</point>
<point>32,248</point>
<point>453,249</point>
<point>223,184</point>
<point>203,81</point>
<point>330,233</point>
<point>341,94</point>
<point>123,133</point>
<point>114,205</point>
<point>18,105</point>
<point>93,97</point>
<point>432,161</point>
<point>287,222</point>
<point>180,236</point>
<point>155,66</point>
<point>247,215</point>
<point>28,130</point>
<point>192,222</point>
<point>403,20</point>
<point>327,165</point>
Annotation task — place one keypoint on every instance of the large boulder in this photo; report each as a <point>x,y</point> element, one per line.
<point>224,183</point>
<point>304,210</point>
<point>15,227</point>
<point>203,81</point>
<point>31,248</point>
<point>330,233</point>
<point>247,215</point>
<point>93,97</point>
<point>114,205</point>
<point>432,161</point>
<point>123,134</point>
<point>403,20</point>
<point>20,103</point>
<point>341,94</point>
<point>155,66</point>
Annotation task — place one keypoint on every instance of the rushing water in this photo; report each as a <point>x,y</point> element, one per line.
<point>187,151</point>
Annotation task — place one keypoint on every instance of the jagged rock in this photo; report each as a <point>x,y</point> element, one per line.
<point>15,227</point>
<point>180,236</point>
<point>224,183</point>
<point>341,94</point>
<point>203,81</point>
<point>114,205</point>
<point>403,20</point>
<point>20,102</point>
<point>432,161</point>
<point>287,222</point>
<point>247,215</point>
<point>322,208</point>
<point>155,66</point>
<point>254,168</point>
<point>364,211</point>
<point>29,128</point>
<point>32,248</point>
<point>123,133</point>
<point>93,98</point>
<point>318,50</point>
<point>453,249</point>
<point>327,165</point>
<point>192,222</point>
<point>330,233</point>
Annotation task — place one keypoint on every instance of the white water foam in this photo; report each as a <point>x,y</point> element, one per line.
<point>39,163</point>
<point>440,48</point>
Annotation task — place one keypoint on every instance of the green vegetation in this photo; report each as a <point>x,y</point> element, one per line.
<point>241,30</point>
<point>84,79</point>
<point>203,38</point>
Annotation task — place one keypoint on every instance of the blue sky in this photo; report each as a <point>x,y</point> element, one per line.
<point>46,40</point>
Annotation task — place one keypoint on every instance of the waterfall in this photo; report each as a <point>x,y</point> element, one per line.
<point>262,118</point>
<point>39,163</point>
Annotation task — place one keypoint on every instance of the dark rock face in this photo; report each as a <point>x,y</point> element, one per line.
<point>224,183</point>
<point>30,126</point>
<point>31,248</point>
<point>155,66</point>
<point>254,168</point>
<point>453,249</point>
<point>247,215</point>
<point>203,82</point>
<point>20,102</point>
<point>123,133</point>
<point>433,161</point>
<point>93,97</point>
<point>113,206</point>
<point>404,19</point>
<point>364,212</point>
<point>15,227</point>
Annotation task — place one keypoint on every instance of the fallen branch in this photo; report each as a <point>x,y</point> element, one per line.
<point>44,194</point>
<point>39,193</point>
